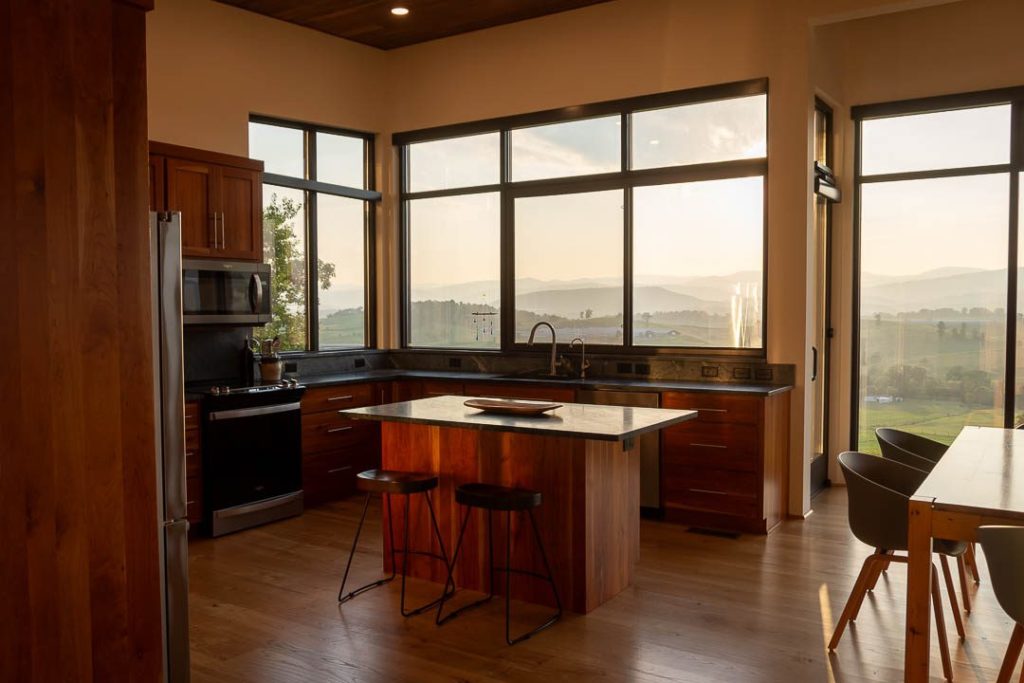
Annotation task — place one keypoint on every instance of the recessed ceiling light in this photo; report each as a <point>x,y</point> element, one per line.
<point>399,11</point>
<point>655,142</point>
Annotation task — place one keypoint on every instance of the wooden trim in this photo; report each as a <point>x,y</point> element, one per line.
<point>177,151</point>
<point>144,5</point>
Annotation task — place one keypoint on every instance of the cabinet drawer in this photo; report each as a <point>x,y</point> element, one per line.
<point>714,501</point>
<point>192,439</point>
<point>339,397</point>
<point>194,499</point>
<point>193,462</point>
<point>191,415</point>
<point>714,407</point>
<point>710,479</point>
<point>442,388</point>
<point>332,475</point>
<point>330,431</point>
<point>517,391</point>
<point>715,444</point>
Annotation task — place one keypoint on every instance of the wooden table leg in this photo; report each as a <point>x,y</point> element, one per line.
<point>919,577</point>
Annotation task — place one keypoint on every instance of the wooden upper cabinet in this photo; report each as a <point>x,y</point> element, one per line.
<point>191,189</point>
<point>157,188</point>
<point>220,198</point>
<point>241,214</point>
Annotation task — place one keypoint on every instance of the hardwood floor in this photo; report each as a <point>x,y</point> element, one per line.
<point>703,608</point>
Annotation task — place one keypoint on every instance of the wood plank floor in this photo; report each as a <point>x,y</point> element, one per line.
<point>704,608</point>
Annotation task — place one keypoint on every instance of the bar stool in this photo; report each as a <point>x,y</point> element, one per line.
<point>494,498</point>
<point>389,483</point>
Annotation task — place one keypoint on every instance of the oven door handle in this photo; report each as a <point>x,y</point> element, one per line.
<point>253,412</point>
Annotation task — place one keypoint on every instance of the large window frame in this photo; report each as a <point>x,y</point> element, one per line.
<point>311,189</point>
<point>625,179</point>
<point>1014,168</point>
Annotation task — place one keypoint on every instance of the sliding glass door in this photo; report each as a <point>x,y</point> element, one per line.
<point>937,268</point>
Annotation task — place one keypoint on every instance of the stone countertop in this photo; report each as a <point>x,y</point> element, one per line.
<point>622,384</point>
<point>579,420</point>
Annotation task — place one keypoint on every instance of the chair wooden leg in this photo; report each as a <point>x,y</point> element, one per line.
<point>853,602</point>
<point>961,564</point>
<point>948,576</point>
<point>1012,655</point>
<point>972,562</point>
<point>879,568</point>
<point>940,626</point>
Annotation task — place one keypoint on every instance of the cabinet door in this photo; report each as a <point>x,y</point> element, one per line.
<point>191,189</point>
<point>241,214</point>
<point>156,183</point>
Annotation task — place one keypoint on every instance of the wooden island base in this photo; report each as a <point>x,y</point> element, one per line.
<point>589,520</point>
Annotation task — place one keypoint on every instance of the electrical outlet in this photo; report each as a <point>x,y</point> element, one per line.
<point>709,371</point>
<point>741,373</point>
<point>455,363</point>
<point>642,368</point>
<point>764,374</point>
<point>359,363</point>
<point>624,368</point>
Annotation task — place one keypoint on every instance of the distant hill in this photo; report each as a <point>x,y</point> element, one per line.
<point>946,288</point>
<point>608,301</point>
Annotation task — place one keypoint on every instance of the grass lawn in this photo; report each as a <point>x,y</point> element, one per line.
<point>938,420</point>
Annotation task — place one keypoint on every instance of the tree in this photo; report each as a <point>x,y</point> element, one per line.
<point>288,273</point>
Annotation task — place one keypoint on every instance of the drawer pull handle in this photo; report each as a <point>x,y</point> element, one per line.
<point>714,493</point>
<point>348,397</point>
<point>338,429</point>
<point>707,445</point>
<point>339,469</point>
<point>711,410</point>
<point>190,502</point>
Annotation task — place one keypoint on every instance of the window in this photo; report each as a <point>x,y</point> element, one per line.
<point>632,224</point>
<point>317,227</point>
<point>935,318</point>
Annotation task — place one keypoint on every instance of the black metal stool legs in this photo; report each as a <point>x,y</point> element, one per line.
<point>405,551</point>
<point>508,570</point>
<point>449,585</point>
<point>342,597</point>
<point>508,583</point>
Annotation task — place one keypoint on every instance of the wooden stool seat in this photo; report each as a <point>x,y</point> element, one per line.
<point>493,497</point>
<point>395,481</point>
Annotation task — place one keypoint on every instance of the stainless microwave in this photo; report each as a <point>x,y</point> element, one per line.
<point>225,292</point>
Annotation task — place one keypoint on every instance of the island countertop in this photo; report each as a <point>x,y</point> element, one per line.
<point>579,420</point>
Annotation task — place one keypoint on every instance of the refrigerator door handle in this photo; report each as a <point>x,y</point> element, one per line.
<point>176,596</point>
<point>172,379</point>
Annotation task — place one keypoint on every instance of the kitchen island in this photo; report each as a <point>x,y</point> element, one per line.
<point>579,456</point>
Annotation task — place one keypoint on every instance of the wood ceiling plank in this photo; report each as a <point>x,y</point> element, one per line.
<point>370,21</point>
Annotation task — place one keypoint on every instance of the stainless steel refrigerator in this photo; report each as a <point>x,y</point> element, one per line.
<point>165,259</point>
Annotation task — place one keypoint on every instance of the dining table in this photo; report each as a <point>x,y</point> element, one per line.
<point>979,481</point>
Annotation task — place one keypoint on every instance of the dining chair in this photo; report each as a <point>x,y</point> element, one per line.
<point>878,492</point>
<point>923,454</point>
<point>1004,552</point>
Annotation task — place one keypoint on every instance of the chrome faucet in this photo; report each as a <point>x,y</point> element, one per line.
<point>583,355</point>
<point>554,343</point>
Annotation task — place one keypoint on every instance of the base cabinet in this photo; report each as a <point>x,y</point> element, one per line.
<point>335,448</point>
<point>193,465</point>
<point>727,469</point>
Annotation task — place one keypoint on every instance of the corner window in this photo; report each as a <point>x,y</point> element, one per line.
<point>632,224</point>
<point>317,232</point>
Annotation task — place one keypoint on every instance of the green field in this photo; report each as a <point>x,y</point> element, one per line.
<point>938,420</point>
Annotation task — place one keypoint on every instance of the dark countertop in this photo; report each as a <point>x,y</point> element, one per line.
<point>579,420</point>
<point>624,384</point>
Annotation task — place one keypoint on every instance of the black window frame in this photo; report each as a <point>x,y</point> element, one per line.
<point>1014,168</point>
<point>311,189</point>
<point>625,179</point>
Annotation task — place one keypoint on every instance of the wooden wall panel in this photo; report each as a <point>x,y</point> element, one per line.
<point>79,575</point>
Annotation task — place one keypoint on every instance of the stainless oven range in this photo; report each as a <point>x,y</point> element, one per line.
<point>252,455</point>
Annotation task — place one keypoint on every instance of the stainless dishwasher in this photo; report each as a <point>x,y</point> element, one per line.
<point>648,445</point>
